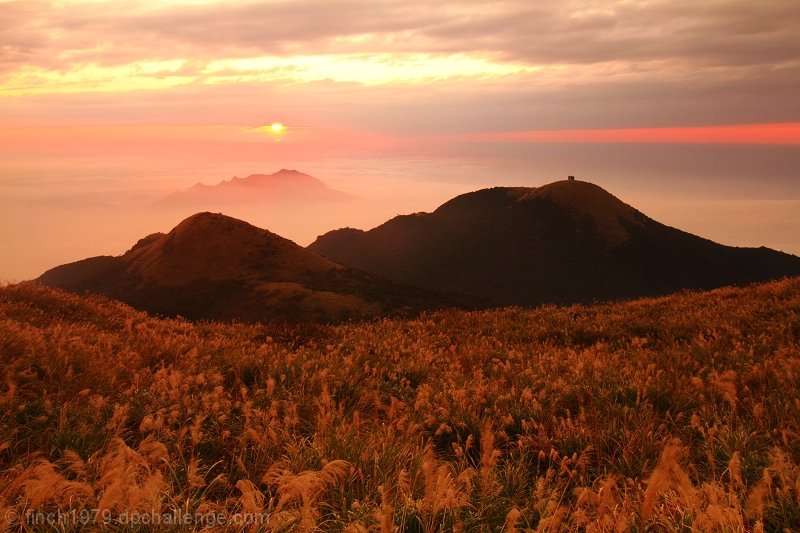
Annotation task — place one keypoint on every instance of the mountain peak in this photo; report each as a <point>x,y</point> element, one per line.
<point>208,229</point>
<point>285,185</point>
<point>482,201</point>
<point>580,200</point>
<point>574,188</point>
<point>208,221</point>
<point>609,214</point>
<point>212,266</point>
<point>205,246</point>
<point>567,241</point>
<point>282,174</point>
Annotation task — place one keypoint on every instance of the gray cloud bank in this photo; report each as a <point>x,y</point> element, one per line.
<point>722,33</point>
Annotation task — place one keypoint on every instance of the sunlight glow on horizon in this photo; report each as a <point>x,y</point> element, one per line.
<point>364,69</point>
<point>779,134</point>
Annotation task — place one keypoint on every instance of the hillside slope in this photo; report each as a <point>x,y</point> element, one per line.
<point>215,267</point>
<point>670,414</point>
<point>569,241</point>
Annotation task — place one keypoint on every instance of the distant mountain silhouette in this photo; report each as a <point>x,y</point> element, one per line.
<point>569,241</point>
<point>215,267</point>
<point>282,186</point>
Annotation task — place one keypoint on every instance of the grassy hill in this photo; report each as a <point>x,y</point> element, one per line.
<point>215,267</point>
<point>651,415</point>
<point>565,242</point>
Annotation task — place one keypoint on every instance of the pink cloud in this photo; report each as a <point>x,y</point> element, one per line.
<point>733,134</point>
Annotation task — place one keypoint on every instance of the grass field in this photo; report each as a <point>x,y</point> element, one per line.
<point>671,414</point>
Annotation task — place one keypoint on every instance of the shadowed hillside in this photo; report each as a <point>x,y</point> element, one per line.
<point>215,267</point>
<point>569,241</point>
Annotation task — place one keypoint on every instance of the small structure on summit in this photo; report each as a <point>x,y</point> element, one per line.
<point>571,178</point>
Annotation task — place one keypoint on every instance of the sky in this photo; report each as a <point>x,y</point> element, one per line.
<point>690,111</point>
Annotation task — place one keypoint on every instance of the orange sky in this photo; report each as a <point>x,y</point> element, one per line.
<point>664,99</point>
<point>781,134</point>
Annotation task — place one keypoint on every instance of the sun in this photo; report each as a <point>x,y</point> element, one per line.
<point>276,130</point>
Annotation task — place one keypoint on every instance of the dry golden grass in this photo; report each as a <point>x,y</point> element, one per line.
<point>671,414</point>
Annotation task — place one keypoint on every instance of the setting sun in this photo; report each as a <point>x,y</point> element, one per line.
<point>277,127</point>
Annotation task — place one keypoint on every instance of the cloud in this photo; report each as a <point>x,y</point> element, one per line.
<point>400,67</point>
<point>717,32</point>
<point>713,33</point>
<point>593,98</point>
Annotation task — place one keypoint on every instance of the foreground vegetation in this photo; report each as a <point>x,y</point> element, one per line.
<point>670,414</point>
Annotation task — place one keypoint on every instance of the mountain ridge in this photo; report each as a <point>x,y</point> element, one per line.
<point>211,266</point>
<point>564,242</point>
<point>281,186</point>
